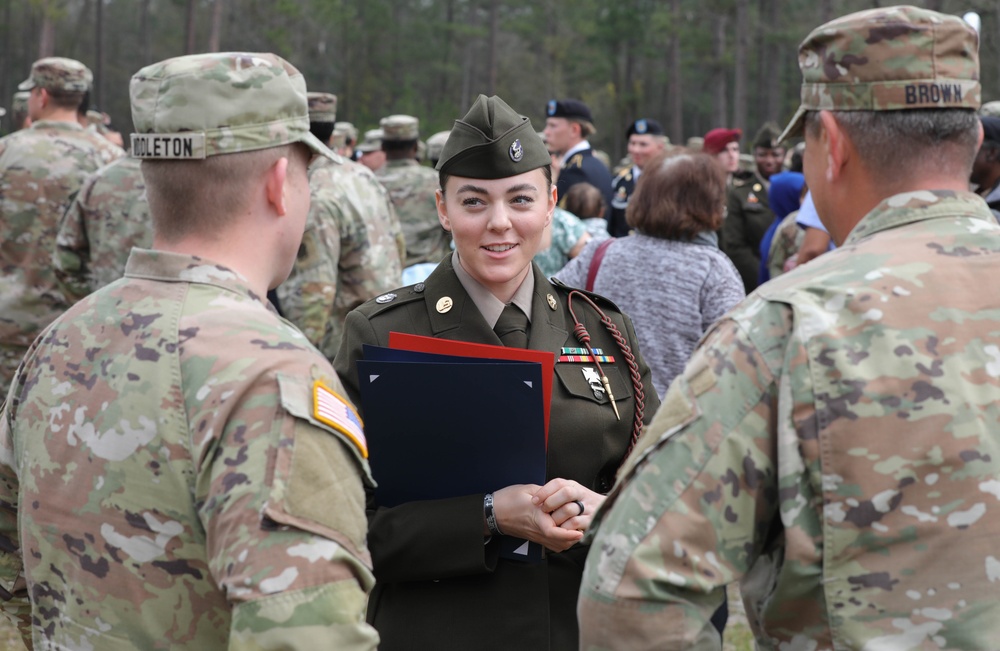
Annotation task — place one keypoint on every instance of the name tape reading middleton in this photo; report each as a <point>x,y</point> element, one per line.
<point>171,145</point>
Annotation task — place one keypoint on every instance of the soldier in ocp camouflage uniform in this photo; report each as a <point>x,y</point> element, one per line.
<point>177,467</point>
<point>19,111</point>
<point>833,443</point>
<point>411,188</point>
<point>40,169</point>
<point>108,216</point>
<point>353,246</point>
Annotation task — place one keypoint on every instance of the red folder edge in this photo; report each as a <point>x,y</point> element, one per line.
<point>420,344</point>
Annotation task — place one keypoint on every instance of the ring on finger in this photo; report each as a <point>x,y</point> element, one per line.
<point>580,505</point>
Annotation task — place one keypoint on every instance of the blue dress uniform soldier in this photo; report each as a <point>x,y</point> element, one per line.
<point>177,470</point>
<point>568,124</point>
<point>833,443</point>
<point>646,139</point>
<point>441,582</point>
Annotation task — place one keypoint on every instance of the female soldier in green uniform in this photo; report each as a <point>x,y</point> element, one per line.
<point>440,581</point>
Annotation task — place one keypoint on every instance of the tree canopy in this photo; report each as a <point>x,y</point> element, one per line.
<point>691,64</point>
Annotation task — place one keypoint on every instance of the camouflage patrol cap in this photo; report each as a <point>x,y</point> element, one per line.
<point>201,105</point>
<point>435,145</point>
<point>372,141</point>
<point>399,128</point>
<point>58,74</point>
<point>492,141</point>
<point>20,103</point>
<point>3,111</point>
<point>322,107</point>
<point>990,108</point>
<point>346,130</point>
<point>888,59</point>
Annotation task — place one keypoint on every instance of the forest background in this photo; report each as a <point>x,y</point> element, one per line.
<point>691,64</point>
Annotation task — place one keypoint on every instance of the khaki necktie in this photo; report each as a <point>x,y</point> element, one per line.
<point>512,327</point>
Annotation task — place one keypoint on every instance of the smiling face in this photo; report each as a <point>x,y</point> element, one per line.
<point>497,225</point>
<point>642,147</point>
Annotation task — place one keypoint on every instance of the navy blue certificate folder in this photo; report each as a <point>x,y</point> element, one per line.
<point>440,426</point>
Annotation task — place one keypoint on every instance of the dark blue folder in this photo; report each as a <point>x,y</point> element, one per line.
<point>440,426</point>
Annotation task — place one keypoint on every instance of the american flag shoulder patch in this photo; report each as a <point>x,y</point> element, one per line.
<point>330,409</point>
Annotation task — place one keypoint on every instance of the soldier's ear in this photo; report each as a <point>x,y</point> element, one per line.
<point>442,210</point>
<point>275,185</point>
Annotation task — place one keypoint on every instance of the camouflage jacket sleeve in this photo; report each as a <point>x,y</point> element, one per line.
<point>13,588</point>
<point>289,551</point>
<point>71,258</point>
<point>693,502</point>
<point>307,297</point>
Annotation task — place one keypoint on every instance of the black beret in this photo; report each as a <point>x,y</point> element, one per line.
<point>568,108</point>
<point>492,141</point>
<point>644,126</point>
<point>991,128</point>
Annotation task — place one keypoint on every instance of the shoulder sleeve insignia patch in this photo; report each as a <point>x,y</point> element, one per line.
<point>331,409</point>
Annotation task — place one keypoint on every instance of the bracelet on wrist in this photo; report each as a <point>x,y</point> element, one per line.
<point>491,518</point>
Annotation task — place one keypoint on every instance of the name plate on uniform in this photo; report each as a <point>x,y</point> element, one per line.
<point>169,145</point>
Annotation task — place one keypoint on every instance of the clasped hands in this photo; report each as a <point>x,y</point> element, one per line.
<point>549,515</point>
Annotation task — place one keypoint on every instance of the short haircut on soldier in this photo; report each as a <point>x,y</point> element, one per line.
<point>895,144</point>
<point>546,170</point>
<point>78,102</point>
<point>679,195</point>
<point>322,130</point>
<point>585,201</point>
<point>201,197</point>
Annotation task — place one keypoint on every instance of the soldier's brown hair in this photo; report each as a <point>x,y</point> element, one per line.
<point>188,197</point>
<point>680,194</point>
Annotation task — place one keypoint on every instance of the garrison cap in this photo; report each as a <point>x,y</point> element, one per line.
<point>435,145</point>
<point>990,108</point>
<point>346,130</point>
<point>644,126</point>
<point>767,136</point>
<point>372,141</point>
<point>58,74</point>
<point>991,128</point>
<point>322,107</point>
<point>399,128</point>
<point>716,140</point>
<point>572,109</point>
<point>201,105</point>
<point>492,141</point>
<point>888,59</point>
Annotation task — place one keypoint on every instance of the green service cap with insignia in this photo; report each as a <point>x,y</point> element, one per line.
<point>322,107</point>
<point>767,136</point>
<point>888,59</point>
<point>492,141</point>
<point>201,105</point>
<point>59,75</point>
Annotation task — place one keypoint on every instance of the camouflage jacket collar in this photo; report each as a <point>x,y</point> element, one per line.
<point>176,267</point>
<point>56,124</point>
<point>909,207</point>
<point>402,162</point>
